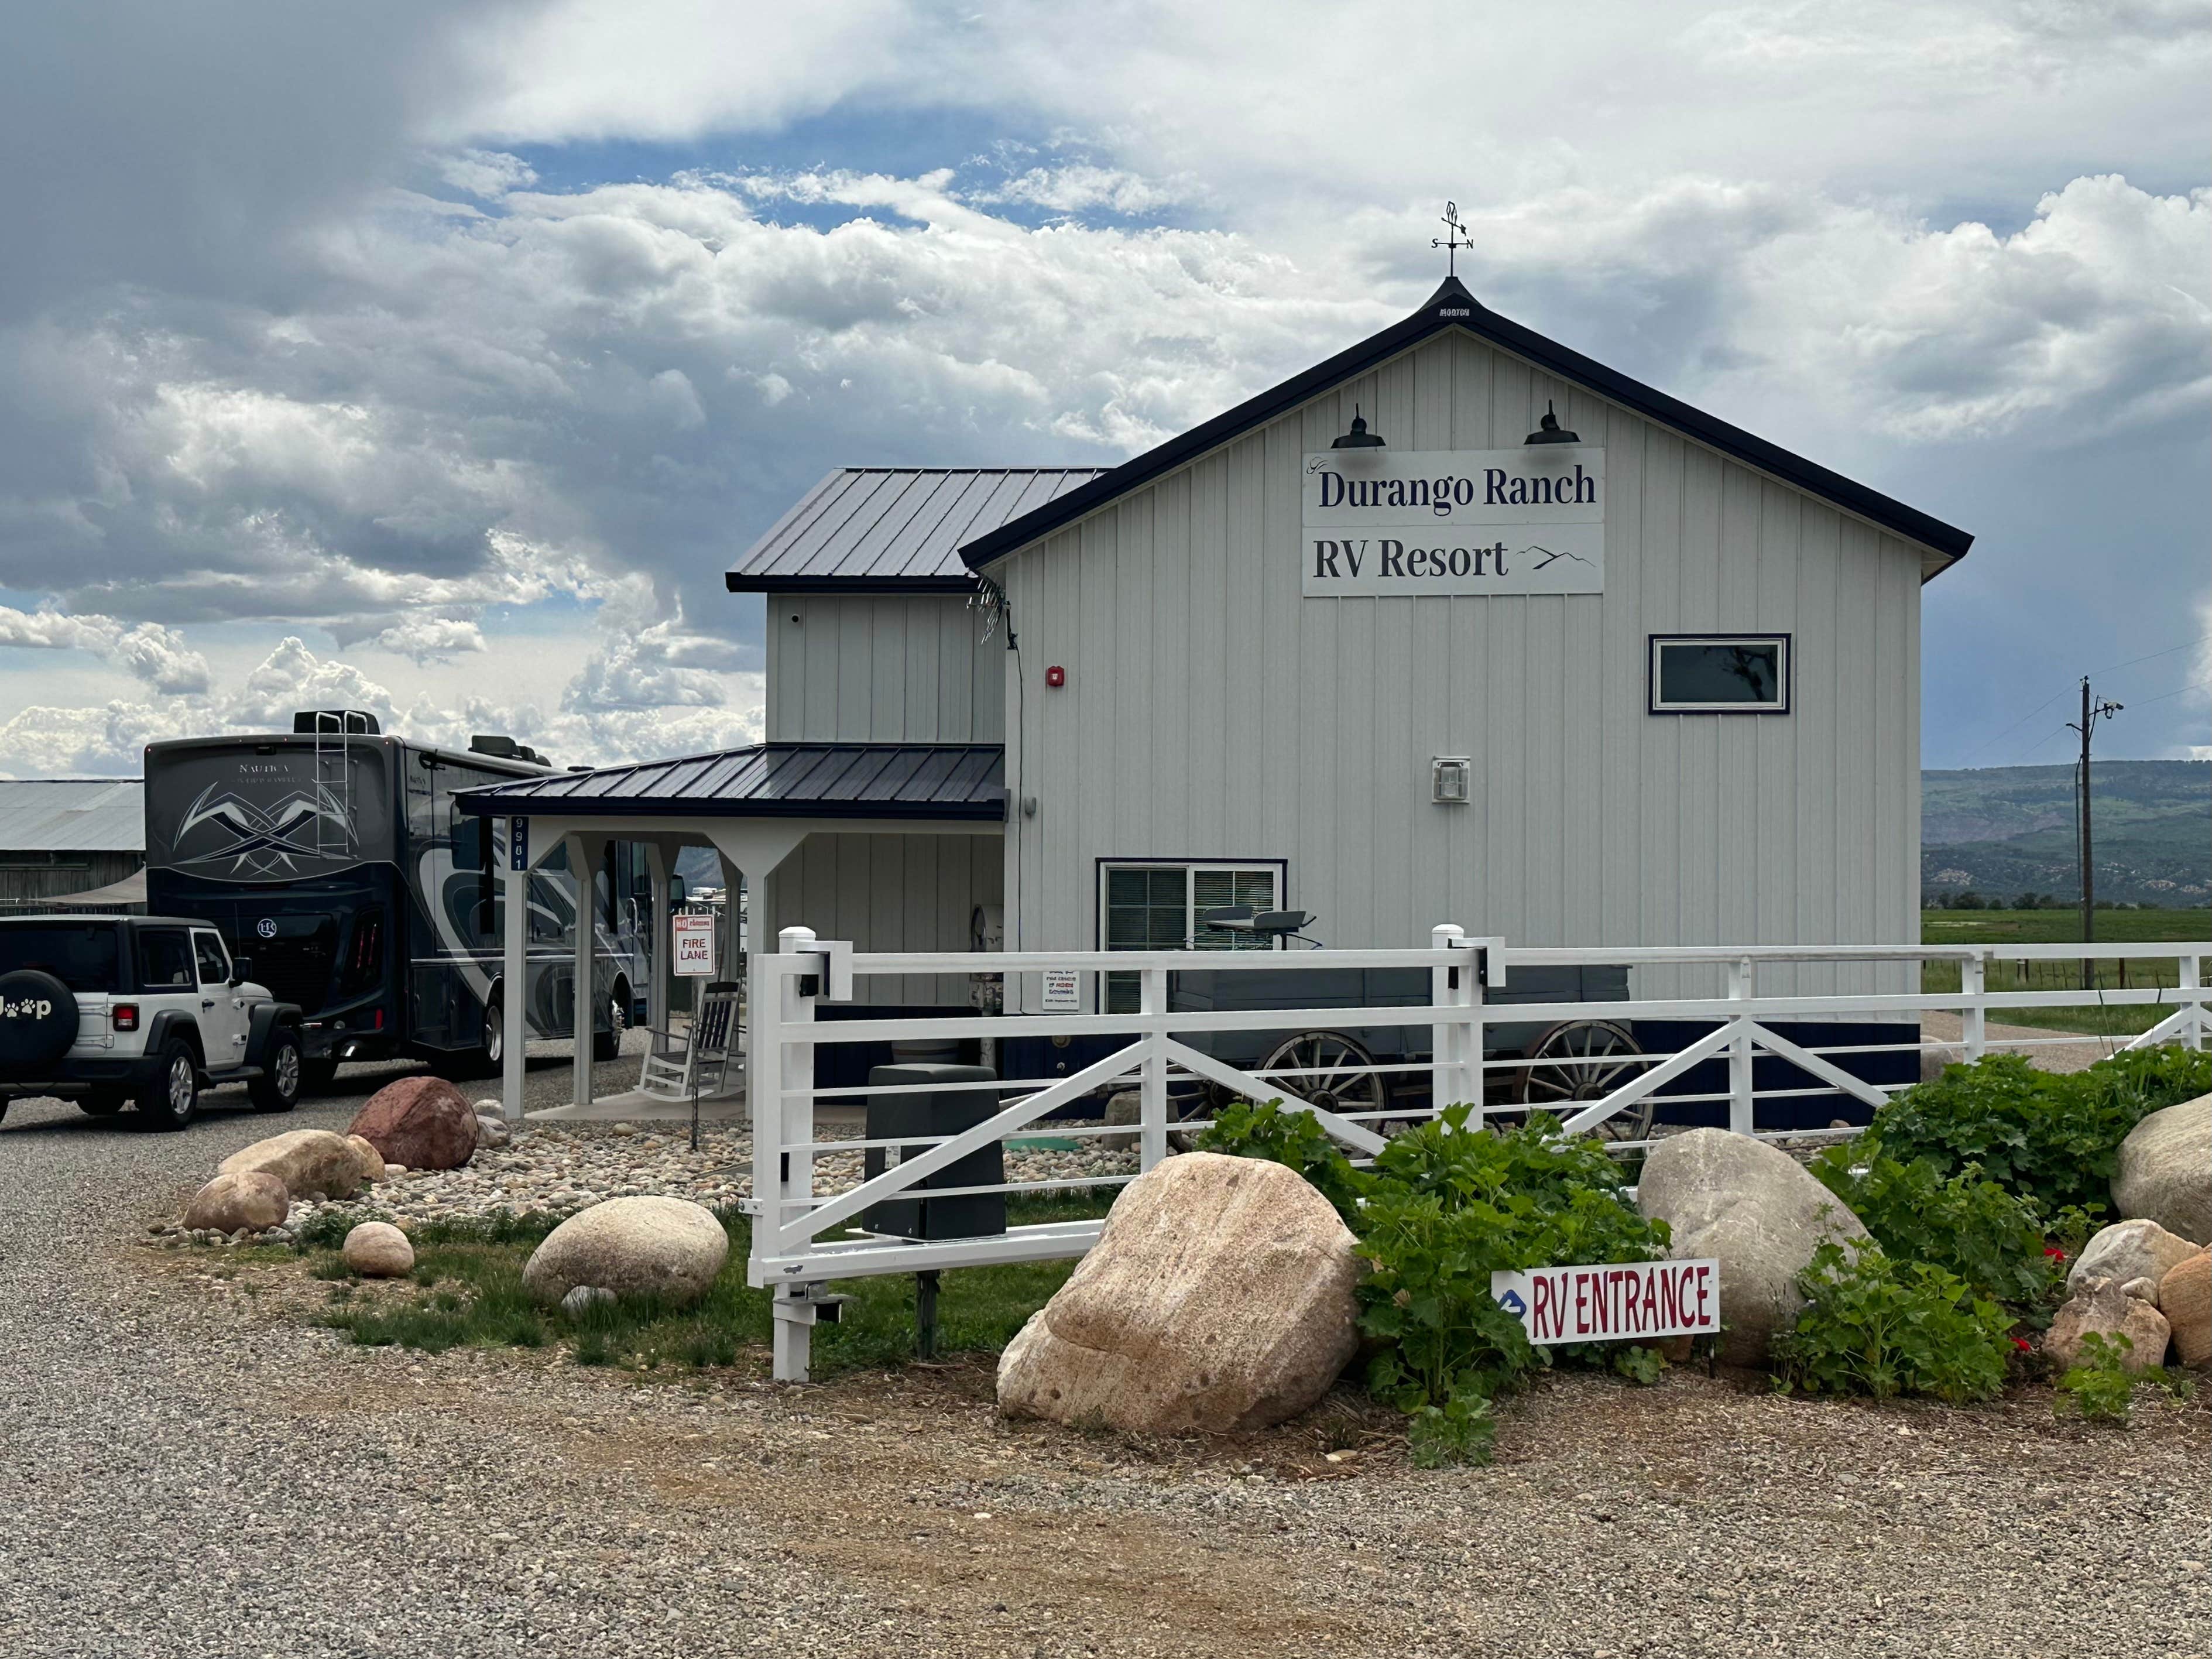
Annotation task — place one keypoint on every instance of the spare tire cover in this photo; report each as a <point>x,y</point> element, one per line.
<point>37,1018</point>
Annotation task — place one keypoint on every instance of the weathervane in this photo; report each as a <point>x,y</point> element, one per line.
<point>1454,239</point>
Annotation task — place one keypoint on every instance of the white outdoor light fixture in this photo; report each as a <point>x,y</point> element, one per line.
<point>1451,779</point>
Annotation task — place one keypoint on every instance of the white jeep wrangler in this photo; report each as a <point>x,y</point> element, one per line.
<point>138,1010</point>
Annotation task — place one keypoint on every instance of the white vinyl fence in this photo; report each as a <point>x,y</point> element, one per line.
<point>803,1238</point>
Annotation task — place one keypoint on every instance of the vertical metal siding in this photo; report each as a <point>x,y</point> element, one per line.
<point>882,668</point>
<point>1212,711</point>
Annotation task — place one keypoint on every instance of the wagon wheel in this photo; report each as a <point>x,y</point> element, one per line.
<point>1589,1062</point>
<point>1342,1077</point>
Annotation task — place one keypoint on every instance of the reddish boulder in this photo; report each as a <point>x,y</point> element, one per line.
<point>423,1122</point>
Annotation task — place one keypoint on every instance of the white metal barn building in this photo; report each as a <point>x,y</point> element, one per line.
<point>1458,625</point>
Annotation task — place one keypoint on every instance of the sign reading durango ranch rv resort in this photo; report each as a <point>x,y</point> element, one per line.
<point>1454,522</point>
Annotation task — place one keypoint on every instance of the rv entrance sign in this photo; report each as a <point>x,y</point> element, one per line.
<point>1453,521</point>
<point>1614,1302</point>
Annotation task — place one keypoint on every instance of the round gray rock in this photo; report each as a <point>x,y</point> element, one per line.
<point>2129,1250</point>
<point>1756,1211</point>
<point>242,1198</point>
<point>377,1250</point>
<point>634,1247</point>
<point>2164,1171</point>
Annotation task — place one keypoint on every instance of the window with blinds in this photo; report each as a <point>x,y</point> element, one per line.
<point>1157,907</point>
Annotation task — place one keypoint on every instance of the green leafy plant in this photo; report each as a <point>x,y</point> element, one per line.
<point>2100,1389</point>
<point>1875,1325</point>
<point>2043,1135</point>
<point>1460,1430</point>
<point>1445,1207</point>
<point>1995,1240</point>
<point>1294,1139</point>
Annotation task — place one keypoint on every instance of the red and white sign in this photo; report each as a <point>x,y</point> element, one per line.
<point>694,945</point>
<point>1613,1302</point>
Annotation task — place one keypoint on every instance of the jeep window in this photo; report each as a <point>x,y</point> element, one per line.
<point>81,955</point>
<point>165,959</point>
<point>214,966</point>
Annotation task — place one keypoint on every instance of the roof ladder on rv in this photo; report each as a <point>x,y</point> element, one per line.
<point>334,730</point>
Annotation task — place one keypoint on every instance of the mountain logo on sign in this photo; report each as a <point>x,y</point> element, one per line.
<point>1512,1304</point>
<point>1551,557</point>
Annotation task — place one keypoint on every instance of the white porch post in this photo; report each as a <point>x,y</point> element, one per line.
<point>583,1011</point>
<point>514,973</point>
<point>658,869</point>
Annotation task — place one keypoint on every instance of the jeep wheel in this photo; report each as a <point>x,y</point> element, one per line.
<point>277,1088</point>
<point>101,1102</point>
<point>170,1099</point>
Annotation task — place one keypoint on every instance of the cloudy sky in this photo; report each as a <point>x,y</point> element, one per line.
<point>438,358</point>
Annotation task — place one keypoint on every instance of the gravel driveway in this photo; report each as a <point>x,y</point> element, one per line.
<point>189,1470</point>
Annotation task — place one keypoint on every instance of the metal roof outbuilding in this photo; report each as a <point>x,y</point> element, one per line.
<point>896,529</point>
<point>73,815</point>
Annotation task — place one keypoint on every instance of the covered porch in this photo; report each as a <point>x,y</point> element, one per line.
<point>754,808</point>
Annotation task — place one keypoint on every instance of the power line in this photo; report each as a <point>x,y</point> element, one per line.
<point>2109,668</point>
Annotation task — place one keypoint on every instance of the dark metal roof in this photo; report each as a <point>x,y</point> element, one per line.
<point>1453,307</point>
<point>895,529</point>
<point>775,780</point>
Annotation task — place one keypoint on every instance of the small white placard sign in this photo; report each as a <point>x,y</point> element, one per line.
<point>1063,991</point>
<point>1613,1301</point>
<point>694,945</point>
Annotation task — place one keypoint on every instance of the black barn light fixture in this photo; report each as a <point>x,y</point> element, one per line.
<point>1549,431</point>
<point>1359,437</point>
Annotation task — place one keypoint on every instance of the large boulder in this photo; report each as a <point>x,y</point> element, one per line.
<point>371,1160</point>
<point>423,1122</point>
<point>2164,1171</point>
<point>1756,1211</point>
<point>246,1199</point>
<point>631,1246</point>
<point>377,1250</point>
<point>2126,1250</point>
<point>2102,1306</point>
<point>311,1162</point>
<point>1219,1296</point>
<point>2185,1297</point>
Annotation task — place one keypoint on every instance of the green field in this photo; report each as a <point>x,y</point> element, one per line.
<point>2065,928</point>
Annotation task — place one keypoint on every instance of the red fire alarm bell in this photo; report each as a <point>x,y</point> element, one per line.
<point>1055,677</point>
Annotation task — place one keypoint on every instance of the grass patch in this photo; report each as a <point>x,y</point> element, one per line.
<point>467,1291</point>
<point>2065,928</point>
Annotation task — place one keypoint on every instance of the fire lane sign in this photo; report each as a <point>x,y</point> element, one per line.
<point>694,938</point>
<point>1613,1301</point>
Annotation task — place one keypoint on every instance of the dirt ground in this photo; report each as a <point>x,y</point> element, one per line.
<point>1701,1515</point>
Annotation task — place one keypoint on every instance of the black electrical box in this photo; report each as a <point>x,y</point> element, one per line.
<point>894,1112</point>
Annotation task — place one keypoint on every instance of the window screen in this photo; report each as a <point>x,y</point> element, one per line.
<point>1739,673</point>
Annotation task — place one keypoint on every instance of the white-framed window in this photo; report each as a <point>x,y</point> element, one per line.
<point>1720,674</point>
<point>1155,904</point>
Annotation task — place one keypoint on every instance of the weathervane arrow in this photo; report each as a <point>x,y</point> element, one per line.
<point>1454,239</point>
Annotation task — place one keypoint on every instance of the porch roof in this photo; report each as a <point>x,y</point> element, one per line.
<point>773,780</point>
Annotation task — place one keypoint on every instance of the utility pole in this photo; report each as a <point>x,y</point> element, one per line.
<point>2092,711</point>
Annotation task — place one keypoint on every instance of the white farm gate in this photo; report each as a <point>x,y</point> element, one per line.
<point>803,1238</point>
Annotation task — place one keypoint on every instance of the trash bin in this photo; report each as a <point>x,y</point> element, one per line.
<point>894,1112</point>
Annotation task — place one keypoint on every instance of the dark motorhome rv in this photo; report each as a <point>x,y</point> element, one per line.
<point>333,857</point>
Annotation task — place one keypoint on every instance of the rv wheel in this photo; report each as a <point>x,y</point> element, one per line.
<point>607,1044</point>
